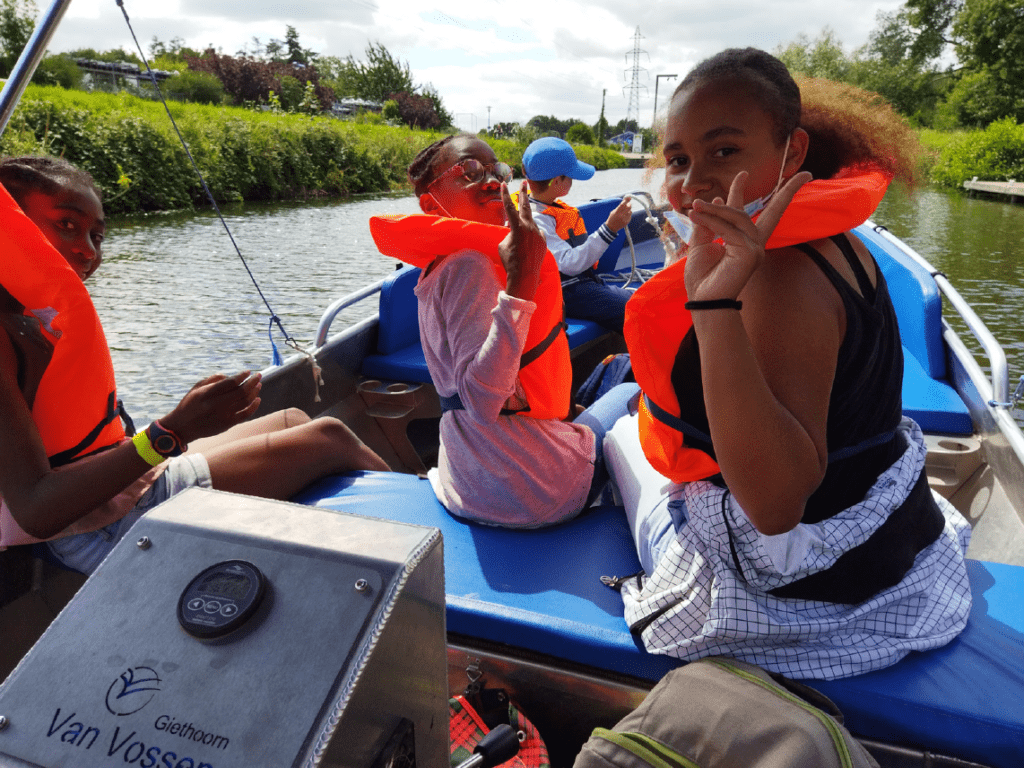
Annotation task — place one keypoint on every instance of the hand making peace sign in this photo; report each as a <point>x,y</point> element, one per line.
<point>720,270</point>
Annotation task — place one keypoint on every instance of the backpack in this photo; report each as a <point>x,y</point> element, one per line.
<point>721,713</point>
<point>610,372</point>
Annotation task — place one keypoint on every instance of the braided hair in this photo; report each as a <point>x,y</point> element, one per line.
<point>39,173</point>
<point>421,169</point>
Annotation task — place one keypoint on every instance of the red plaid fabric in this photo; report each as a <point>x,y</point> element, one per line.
<point>467,728</point>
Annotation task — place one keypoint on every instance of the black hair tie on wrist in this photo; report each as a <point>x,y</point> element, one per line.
<point>714,304</point>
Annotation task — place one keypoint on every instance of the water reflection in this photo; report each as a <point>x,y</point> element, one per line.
<point>978,245</point>
<point>177,304</point>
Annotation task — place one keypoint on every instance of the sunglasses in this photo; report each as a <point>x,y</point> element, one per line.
<point>473,171</point>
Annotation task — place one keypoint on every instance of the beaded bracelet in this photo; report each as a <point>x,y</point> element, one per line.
<point>714,304</point>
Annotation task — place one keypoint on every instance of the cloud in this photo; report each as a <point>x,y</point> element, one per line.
<point>558,59</point>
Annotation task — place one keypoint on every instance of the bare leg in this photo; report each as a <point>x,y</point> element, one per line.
<point>278,464</point>
<point>272,422</point>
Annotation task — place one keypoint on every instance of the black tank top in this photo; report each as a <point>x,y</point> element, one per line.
<point>866,401</point>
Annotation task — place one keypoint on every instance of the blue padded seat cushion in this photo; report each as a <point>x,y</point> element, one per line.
<point>934,405</point>
<point>409,364</point>
<point>916,298</point>
<point>540,590</point>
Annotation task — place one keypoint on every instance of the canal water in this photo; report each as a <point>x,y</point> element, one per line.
<point>177,304</point>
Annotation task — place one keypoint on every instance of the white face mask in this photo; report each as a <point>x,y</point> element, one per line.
<point>684,227</point>
<point>681,224</point>
<point>755,206</point>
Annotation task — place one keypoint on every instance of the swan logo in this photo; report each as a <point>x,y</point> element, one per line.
<point>132,690</point>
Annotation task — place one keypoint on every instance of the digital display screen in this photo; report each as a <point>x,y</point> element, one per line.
<point>232,586</point>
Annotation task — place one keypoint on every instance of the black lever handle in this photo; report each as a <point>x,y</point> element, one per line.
<point>497,747</point>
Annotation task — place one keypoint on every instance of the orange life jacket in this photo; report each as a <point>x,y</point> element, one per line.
<point>656,320</point>
<point>569,224</point>
<point>546,369</point>
<point>75,406</point>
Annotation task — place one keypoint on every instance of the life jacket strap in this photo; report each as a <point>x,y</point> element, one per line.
<point>689,430</point>
<point>532,354</point>
<point>66,457</point>
<point>454,403</point>
<point>675,422</point>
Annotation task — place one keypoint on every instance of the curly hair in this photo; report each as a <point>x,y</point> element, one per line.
<point>851,127</point>
<point>41,173</point>
<point>848,127</point>
<point>421,169</point>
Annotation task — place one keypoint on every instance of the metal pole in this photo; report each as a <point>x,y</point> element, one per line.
<point>29,60</point>
<point>656,79</point>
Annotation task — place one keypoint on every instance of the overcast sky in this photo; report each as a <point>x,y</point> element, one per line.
<point>519,59</point>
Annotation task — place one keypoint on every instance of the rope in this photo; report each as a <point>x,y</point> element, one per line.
<point>274,319</point>
<point>637,275</point>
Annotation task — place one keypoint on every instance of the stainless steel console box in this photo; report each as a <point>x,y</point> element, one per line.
<point>338,661</point>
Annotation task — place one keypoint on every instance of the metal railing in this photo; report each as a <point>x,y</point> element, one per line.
<point>327,318</point>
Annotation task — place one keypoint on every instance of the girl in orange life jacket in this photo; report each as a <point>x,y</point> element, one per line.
<point>490,324</point>
<point>68,473</point>
<point>788,383</point>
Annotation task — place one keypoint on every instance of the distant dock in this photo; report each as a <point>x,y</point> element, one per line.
<point>1012,188</point>
<point>639,159</point>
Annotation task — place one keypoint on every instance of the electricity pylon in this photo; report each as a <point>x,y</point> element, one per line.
<point>633,110</point>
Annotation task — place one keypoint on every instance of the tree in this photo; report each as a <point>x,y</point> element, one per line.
<point>390,111</point>
<point>415,110</point>
<point>376,78</point>
<point>113,56</point>
<point>444,117</point>
<point>822,57</point>
<point>989,37</point>
<point>551,125</point>
<point>249,80</point>
<point>889,66</point>
<point>503,130</point>
<point>579,133</point>
<point>17,21</point>
<point>296,53</point>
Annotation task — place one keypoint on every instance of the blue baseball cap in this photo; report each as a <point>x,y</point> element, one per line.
<point>550,157</point>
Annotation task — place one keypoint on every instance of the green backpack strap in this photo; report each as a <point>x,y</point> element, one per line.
<point>649,750</point>
<point>830,725</point>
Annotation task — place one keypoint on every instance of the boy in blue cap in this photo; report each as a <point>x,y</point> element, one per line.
<point>550,165</point>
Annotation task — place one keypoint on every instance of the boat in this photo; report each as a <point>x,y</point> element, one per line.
<point>551,635</point>
<point>554,636</point>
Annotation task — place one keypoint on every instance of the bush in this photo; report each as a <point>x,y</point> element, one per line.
<point>130,148</point>
<point>198,87</point>
<point>993,154</point>
<point>58,70</point>
<point>580,133</point>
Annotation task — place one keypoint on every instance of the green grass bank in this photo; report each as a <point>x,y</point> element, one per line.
<point>130,147</point>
